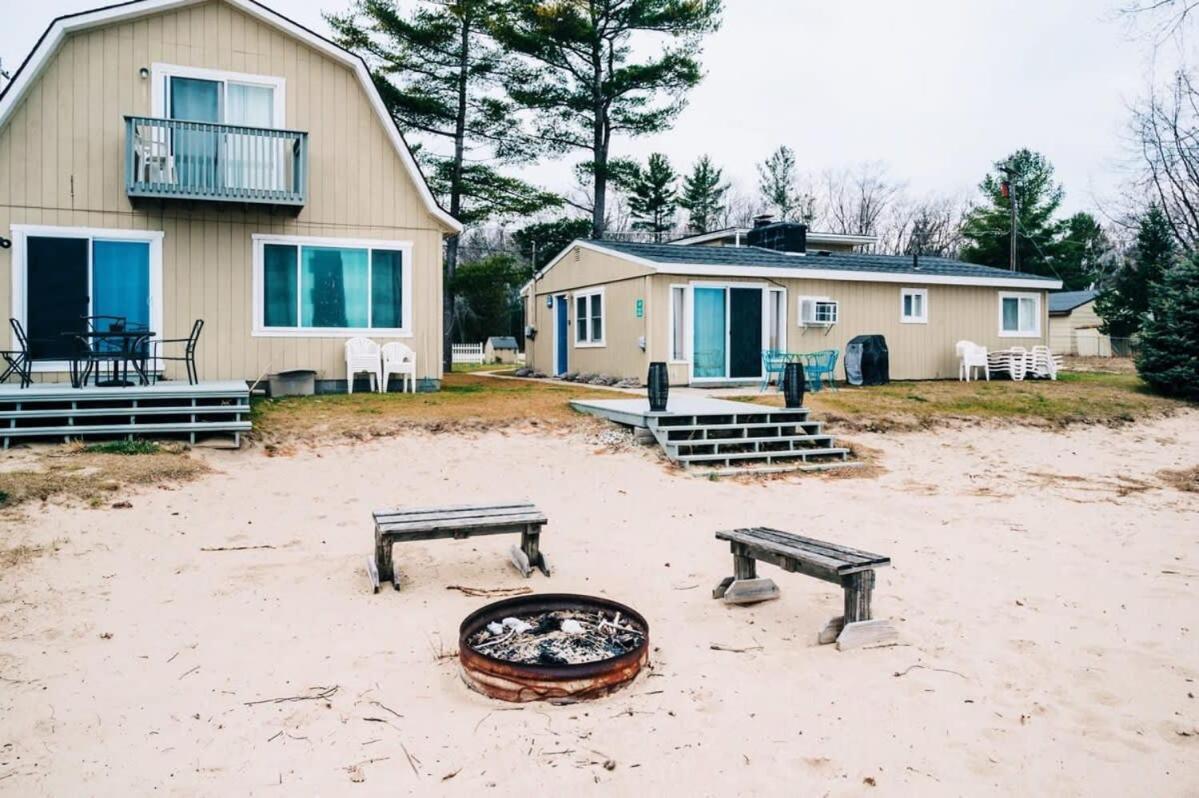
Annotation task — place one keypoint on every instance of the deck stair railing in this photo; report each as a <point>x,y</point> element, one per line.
<point>171,158</point>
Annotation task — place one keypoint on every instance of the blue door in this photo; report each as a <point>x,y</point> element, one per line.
<point>561,338</point>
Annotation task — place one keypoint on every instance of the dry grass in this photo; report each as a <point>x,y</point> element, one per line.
<point>72,473</point>
<point>1075,398</point>
<point>466,402</point>
<point>1100,365</point>
<point>1186,479</point>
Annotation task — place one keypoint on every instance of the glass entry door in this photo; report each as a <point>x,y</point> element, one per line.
<point>726,333</point>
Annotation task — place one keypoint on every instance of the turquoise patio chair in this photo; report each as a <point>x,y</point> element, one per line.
<point>773,362</point>
<point>819,366</point>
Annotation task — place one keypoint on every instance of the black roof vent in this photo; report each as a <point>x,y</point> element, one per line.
<point>779,236</point>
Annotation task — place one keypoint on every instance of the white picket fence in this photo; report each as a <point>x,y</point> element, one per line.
<point>467,353</point>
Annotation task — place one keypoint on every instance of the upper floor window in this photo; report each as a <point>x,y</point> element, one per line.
<point>913,305</point>
<point>224,98</point>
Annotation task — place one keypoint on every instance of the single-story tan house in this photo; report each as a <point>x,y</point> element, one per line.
<point>174,160</point>
<point>1074,325</point>
<point>612,307</point>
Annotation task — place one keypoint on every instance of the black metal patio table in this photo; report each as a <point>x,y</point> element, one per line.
<point>132,346</point>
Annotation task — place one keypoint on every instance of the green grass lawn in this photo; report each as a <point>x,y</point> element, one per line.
<point>1074,398</point>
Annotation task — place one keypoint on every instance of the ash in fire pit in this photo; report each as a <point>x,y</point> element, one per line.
<point>560,637</point>
<point>552,646</point>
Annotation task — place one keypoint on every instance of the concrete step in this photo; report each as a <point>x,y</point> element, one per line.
<point>811,426</point>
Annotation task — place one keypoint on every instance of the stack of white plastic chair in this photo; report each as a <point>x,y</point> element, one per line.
<point>1013,361</point>
<point>1044,363</point>
<point>362,354</point>
<point>399,359</point>
<point>971,356</point>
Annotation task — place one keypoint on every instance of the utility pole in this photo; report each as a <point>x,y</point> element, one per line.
<point>1008,188</point>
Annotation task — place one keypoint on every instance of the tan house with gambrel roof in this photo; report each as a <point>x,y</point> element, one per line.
<point>173,160</point>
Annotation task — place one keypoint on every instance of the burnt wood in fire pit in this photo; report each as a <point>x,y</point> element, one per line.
<point>458,522</point>
<point>552,647</point>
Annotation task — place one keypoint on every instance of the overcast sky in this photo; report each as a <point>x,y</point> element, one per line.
<point>936,89</point>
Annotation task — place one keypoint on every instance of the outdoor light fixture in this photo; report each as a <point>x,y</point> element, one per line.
<point>145,73</point>
<point>549,301</point>
<point>4,243</point>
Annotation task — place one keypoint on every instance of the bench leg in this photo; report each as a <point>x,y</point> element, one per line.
<point>383,562</point>
<point>745,587</point>
<point>860,630</point>
<point>528,555</point>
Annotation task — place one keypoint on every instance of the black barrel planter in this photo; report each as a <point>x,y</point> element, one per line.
<point>793,385</point>
<point>658,381</point>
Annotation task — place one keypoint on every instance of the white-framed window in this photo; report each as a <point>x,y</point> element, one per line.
<point>776,319</point>
<point>210,95</point>
<point>589,317</point>
<point>306,286</point>
<point>61,274</point>
<point>913,305</point>
<point>817,311</point>
<point>678,323</point>
<point>1019,315</point>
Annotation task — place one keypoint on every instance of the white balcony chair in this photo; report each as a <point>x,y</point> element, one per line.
<point>400,360</point>
<point>362,354</point>
<point>971,356</point>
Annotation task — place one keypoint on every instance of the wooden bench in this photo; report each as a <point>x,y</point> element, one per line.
<point>458,522</point>
<point>853,569</point>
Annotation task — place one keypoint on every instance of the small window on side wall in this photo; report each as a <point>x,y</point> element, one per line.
<point>589,318</point>
<point>913,305</point>
<point>1019,315</point>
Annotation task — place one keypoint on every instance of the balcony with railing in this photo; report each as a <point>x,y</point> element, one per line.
<point>175,159</point>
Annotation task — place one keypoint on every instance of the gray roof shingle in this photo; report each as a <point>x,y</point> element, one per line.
<point>837,261</point>
<point>1066,301</point>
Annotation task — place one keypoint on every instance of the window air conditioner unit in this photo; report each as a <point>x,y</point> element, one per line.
<point>817,311</point>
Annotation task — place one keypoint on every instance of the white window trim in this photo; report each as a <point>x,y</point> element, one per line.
<point>590,344</point>
<point>19,278</point>
<point>260,330</point>
<point>799,319</point>
<point>1036,298</point>
<point>159,73</point>
<point>686,342</point>
<point>904,293</point>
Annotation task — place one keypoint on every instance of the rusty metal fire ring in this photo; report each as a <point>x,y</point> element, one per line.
<point>520,682</point>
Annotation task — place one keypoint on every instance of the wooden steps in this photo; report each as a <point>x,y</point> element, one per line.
<point>756,441</point>
<point>54,411</point>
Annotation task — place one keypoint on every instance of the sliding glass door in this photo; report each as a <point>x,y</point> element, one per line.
<point>727,332</point>
<point>70,277</point>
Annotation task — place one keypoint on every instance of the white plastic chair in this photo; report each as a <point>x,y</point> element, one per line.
<point>399,359</point>
<point>1044,362</point>
<point>362,354</point>
<point>972,356</point>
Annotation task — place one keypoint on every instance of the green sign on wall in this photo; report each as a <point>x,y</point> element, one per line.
<point>640,308</point>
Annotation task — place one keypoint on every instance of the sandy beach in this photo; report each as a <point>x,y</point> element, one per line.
<point>1044,588</point>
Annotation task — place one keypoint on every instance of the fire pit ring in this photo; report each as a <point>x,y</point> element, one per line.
<point>520,682</point>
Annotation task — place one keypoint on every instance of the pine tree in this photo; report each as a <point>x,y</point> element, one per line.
<point>986,229</point>
<point>703,196</point>
<point>1081,253</point>
<point>654,197</point>
<point>437,70</point>
<point>1123,304</point>
<point>1169,356</point>
<point>580,78</point>
<point>778,182</point>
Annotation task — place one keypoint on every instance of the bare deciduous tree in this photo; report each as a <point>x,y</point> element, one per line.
<point>855,200</point>
<point>1165,129</point>
<point>926,226</point>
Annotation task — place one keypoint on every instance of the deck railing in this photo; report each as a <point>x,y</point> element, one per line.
<point>170,158</point>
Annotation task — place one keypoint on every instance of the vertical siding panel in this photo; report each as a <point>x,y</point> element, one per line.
<point>51,126</point>
<point>32,166</point>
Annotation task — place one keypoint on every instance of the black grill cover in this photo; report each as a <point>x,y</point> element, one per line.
<point>867,361</point>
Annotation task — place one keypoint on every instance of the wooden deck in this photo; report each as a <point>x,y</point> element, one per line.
<point>56,411</point>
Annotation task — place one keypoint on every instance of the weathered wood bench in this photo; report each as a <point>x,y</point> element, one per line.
<point>853,569</point>
<point>458,522</point>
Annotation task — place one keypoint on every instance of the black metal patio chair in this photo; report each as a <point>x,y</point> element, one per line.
<point>189,351</point>
<point>18,361</point>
